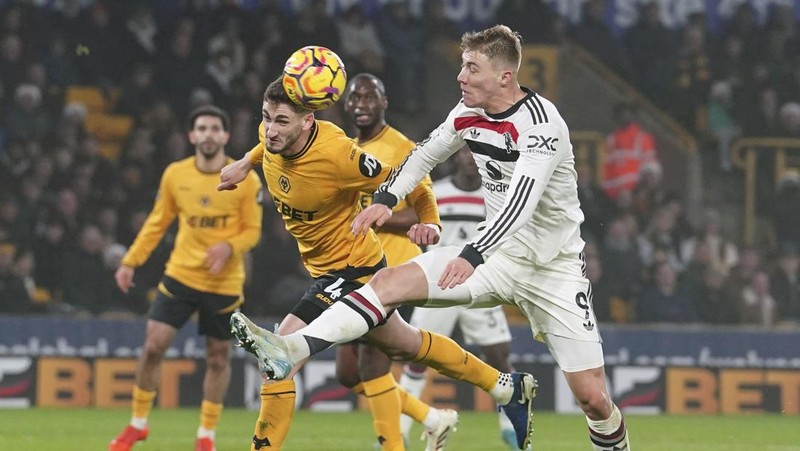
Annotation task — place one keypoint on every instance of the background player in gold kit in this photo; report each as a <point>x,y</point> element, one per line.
<point>204,274</point>
<point>365,103</point>
<point>315,175</point>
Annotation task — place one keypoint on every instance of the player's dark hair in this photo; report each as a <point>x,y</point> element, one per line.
<point>498,41</point>
<point>277,95</point>
<point>207,110</point>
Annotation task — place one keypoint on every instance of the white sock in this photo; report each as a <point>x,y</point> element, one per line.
<point>431,421</point>
<point>609,433</point>
<point>139,423</point>
<point>413,383</point>
<point>342,322</point>
<point>203,432</point>
<point>503,389</point>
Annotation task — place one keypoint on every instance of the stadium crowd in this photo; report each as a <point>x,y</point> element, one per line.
<point>69,208</point>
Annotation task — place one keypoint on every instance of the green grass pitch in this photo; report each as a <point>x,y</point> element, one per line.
<point>91,429</point>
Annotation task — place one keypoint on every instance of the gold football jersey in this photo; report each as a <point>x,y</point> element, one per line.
<point>205,217</point>
<point>317,193</point>
<point>392,147</point>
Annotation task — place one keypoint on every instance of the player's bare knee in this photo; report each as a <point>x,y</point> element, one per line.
<point>153,351</point>
<point>595,404</point>
<point>382,283</point>
<point>217,361</point>
<point>399,284</point>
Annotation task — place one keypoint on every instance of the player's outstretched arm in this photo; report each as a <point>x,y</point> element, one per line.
<point>231,175</point>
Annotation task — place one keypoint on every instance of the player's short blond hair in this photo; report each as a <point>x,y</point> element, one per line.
<point>497,43</point>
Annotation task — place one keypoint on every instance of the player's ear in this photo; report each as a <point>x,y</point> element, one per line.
<point>308,120</point>
<point>506,77</point>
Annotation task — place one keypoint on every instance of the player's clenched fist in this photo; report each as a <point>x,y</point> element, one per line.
<point>424,234</point>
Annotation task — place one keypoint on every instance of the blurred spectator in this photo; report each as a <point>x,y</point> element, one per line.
<point>785,283</point>
<point>743,25</point>
<point>100,42</point>
<point>88,282</point>
<point>691,79</point>
<point>26,118</point>
<point>660,235</point>
<point>220,72</point>
<point>24,268</point>
<point>723,253</point>
<point>533,19</point>
<point>14,297</point>
<point>595,36</point>
<point>139,35</point>
<point>664,300</point>
<point>713,303</point>
<point>650,46</point>
<point>312,26</point>
<point>12,228</point>
<point>360,48</point>
<point>180,66</point>
<point>11,63</point>
<point>597,208</point>
<point>789,120</point>
<point>67,211</point>
<point>230,38</point>
<point>620,252</point>
<point>650,193</point>
<point>49,252</point>
<point>784,210</point>
<point>139,90</point>
<point>403,38</point>
<point>729,64</point>
<point>629,147</point>
<point>755,303</point>
<point>722,122</point>
<point>742,273</point>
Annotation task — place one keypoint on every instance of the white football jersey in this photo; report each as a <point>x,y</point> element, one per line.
<point>527,168</point>
<point>460,212</point>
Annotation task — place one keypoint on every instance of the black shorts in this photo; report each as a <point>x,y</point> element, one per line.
<point>329,288</point>
<point>176,303</point>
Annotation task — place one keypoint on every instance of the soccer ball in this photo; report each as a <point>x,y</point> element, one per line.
<point>314,77</point>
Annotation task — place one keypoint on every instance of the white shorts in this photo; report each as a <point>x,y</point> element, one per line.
<point>555,298</point>
<point>481,327</point>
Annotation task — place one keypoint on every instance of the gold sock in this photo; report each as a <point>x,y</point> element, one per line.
<point>384,402</point>
<point>412,406</point>
<point>142,402</point>
<point>447,357</point>
<point>209,414</point>
<point>275,416</point>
